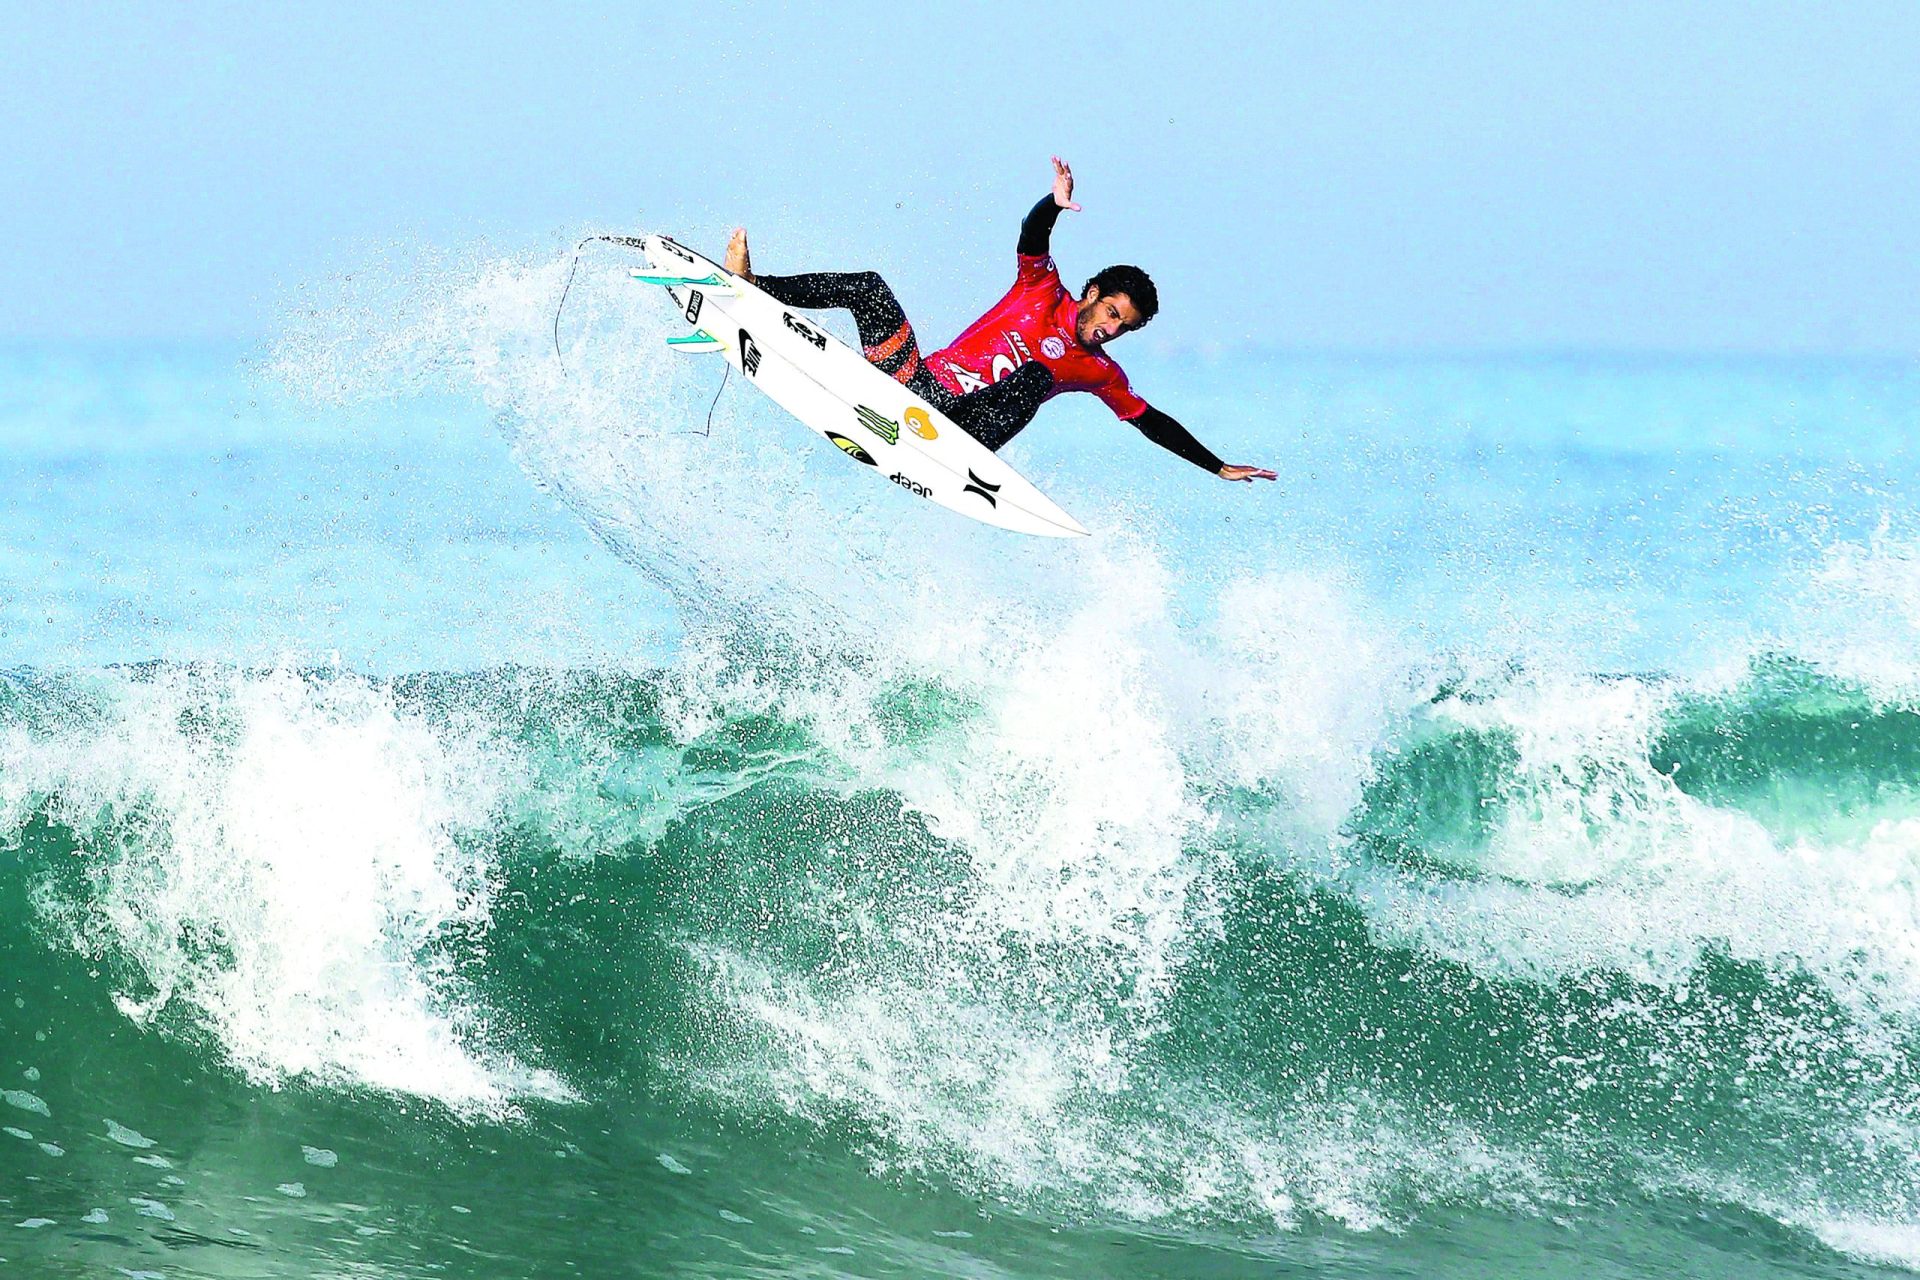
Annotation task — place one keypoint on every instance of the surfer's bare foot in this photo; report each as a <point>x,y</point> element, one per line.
<point>737,260</point>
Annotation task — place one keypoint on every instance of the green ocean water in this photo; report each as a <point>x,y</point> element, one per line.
<point>714,1004</point>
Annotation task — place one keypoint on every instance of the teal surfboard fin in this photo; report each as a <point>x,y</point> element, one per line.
<point>699,342</point>
<point>713,282</point>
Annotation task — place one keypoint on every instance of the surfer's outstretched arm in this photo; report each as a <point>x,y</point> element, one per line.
<point>1036,229</point>
<point>1177,440</point>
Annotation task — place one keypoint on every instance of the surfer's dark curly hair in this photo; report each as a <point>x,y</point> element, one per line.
<point>1133,282</point>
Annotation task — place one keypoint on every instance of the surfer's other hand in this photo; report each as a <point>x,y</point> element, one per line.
<point>1063,185</point>
<point>1249,474</point>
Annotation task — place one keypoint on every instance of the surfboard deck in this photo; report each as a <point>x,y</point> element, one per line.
<point>832,389</point>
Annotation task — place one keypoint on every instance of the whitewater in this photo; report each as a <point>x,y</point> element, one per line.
<point>466,810</point>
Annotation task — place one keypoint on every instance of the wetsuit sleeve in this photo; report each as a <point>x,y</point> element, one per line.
<point>1176,439</point>
<point>1036,264</point>
<point>1036,230</point>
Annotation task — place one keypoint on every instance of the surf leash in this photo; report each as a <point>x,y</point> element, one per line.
<point>628,242</point>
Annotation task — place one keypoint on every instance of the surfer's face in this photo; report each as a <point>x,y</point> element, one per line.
<point>1104,317</point>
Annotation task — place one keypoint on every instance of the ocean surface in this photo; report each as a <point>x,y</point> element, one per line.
<point>466,811</point>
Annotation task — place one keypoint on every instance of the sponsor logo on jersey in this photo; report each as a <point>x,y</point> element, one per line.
<point>984,488</point>
<point>695,299</point>
<point>749,354</point>
<point>881,425</point>
<point>920,424</point>
<point>804,329</point>
<point>1052,347</point>
<point>852,450</point>
<point>911,486</point>
<point>1019,345</point>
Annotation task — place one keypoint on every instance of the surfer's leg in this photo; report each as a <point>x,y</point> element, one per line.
<point>884,332</point>
<point>996,414</point>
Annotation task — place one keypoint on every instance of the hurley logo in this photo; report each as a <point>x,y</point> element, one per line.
<point>985,489</point>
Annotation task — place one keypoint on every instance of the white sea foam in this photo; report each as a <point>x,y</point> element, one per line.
<point>148,1208</point>
<point>126,1137</point>
<point>1018,1102</point>
<point>1600,861</point>
<point>233,805</point>
<point>1892,1243</point>
<point>1858,615</point>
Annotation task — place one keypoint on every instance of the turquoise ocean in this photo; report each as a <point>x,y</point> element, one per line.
<point>467,811</point>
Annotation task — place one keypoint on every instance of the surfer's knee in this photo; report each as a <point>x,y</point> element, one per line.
<point>876,292</point>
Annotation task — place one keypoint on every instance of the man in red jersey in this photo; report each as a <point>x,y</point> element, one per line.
<point>1037,341</point>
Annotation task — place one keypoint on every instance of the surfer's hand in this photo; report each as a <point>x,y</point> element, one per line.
<point>1063,185</point>
<point>1249,474</point>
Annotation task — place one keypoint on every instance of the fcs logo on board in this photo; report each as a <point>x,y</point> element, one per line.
<point>920,424</point>
<point>749,354</point>
<point>878,423</point>
<point>852,450</point>
<point>676,250</point>
<point>984,488</point>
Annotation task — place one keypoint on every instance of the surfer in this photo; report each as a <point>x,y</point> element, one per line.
<point>1036,342</point>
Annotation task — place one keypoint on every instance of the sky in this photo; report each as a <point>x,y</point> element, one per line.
<point>1703,177</point>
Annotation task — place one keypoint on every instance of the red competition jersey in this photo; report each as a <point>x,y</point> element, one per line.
<point>1035,321</point>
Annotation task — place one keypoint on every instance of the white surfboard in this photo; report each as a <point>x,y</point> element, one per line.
<point>831,388</point>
